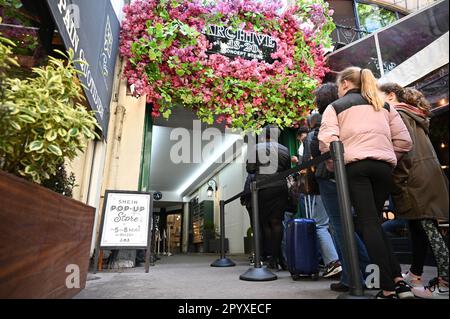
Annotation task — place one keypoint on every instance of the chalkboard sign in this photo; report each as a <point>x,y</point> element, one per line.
<point>240,43</point>
<point>126,222</point>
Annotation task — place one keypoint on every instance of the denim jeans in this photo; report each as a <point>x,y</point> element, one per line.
<point>319,214</point>
<point>393,227</point>
<point>329,196</point>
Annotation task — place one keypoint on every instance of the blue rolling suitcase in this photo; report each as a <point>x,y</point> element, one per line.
<point>302,248</point>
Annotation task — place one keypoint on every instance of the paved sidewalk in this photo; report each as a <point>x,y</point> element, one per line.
<point>190,276</point>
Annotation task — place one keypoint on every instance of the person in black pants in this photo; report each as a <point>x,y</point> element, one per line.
<point>374,138</point>
<point>421,194</point>
<point>265,160</point>
<point>370,183</point>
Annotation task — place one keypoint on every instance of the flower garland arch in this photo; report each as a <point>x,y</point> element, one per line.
<point>169,59</point>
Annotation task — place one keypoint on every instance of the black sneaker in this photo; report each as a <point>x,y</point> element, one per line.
<point>380,295</point>
<point>333,269</point>
<point>339,287</point>
<point>403,291</point>
<point>251,260</point>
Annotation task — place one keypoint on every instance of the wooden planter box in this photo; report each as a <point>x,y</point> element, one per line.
<point>41,232</point>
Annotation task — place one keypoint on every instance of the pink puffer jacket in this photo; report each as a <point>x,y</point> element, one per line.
<point>365,133</point>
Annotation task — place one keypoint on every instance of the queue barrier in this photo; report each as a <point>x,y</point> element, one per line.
<point>261,273</point>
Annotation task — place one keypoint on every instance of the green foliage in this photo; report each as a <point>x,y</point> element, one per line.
<point>249,232</point>
<point>16,4</point>
<point>373,17</point>
<point>42,120</point>
<point>170,62</point>
<point>209,230</point>
<point>6,59</point>
<point>60,182</point>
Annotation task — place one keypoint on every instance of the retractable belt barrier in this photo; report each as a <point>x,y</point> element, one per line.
<point>260,273</point>
<point>280,178</point>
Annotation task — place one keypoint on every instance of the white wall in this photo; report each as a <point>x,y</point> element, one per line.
<point>232,179</point>
<point>118,6</point>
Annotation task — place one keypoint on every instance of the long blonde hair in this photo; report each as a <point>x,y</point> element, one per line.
<point>364,80</point>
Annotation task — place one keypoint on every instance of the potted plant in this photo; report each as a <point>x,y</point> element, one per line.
<point>214,241</point>
<point>208,235</point>
<point>44,236</point>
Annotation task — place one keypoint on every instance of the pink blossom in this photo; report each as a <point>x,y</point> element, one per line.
<point>210,89</point>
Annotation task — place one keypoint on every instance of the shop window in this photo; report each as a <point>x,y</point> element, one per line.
<point>403,40</point>
<point>362,54</point>
<point>373,17</point>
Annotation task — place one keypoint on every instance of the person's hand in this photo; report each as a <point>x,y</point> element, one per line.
<point>294,159</point>
<point>330,165</point>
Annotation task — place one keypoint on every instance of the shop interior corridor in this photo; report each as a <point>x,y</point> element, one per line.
<point>190,276</point>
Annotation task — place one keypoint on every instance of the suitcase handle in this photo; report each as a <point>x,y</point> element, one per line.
<point>309,205</point>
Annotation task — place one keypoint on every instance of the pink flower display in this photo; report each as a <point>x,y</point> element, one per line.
<point>171,59</point>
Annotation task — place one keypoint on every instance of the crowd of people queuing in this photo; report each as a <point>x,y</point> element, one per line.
<point>384,129</point>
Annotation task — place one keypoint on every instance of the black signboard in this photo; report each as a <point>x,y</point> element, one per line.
<point>240,43</point>
<point>91,29</point>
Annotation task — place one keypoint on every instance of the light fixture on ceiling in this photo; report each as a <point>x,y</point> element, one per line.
<point>442,102</point>
<point>227,142</point>
<point>212,186</point>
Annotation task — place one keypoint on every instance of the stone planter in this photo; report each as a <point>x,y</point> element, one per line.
<point>44,238</point>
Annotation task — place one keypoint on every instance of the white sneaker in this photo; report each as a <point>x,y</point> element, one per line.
<point>436,289</point>
<point>412,280</point>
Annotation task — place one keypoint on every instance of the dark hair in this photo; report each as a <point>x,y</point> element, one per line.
<point>314,120</point>
<point>393,88</point>
<point>409,96</point>
<point>325,95</point>
<point>302,130</point>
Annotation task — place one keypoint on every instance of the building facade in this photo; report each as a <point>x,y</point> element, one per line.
<point>135,151</point>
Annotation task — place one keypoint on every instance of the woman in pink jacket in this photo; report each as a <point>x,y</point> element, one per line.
<point>374,138</point>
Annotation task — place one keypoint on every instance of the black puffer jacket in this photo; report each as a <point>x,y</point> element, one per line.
<point>321,171</point>
<point>277,160</point>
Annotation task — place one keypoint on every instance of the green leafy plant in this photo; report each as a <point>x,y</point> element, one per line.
<point>17,4</point>
<point>61,183</point>
<point>209,230</point>
<point>23,35</point>
<point>42,120</point>
<point>169,59</point>
<point>249,232</point>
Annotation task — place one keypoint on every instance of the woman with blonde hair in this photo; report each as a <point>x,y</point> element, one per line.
<point>421,194</point>
<point>374,138</point>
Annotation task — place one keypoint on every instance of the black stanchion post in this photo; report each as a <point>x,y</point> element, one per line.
<point>257,273</point>
<point>222,261</point>
<point>350,251</point>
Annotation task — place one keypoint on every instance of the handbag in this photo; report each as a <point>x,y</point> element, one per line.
<point>304,182</point>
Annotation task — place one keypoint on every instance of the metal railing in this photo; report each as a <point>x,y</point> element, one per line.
<point>346,34</point>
